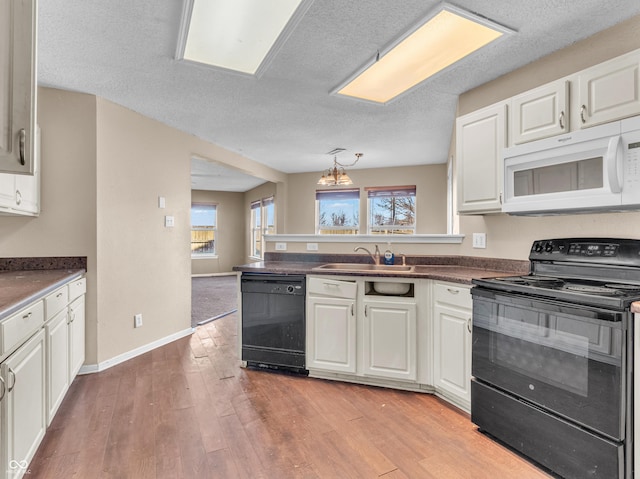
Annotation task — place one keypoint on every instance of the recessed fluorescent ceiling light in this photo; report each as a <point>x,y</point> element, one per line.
<point>443,39</point>
<point>237,34</point>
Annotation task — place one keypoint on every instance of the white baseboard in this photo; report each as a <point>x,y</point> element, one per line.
<point>96,368</point>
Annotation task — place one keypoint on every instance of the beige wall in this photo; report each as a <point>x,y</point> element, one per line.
<point>67,222</point>
<point>230,236</point>
<point>103,168</point>
<point>509,236</point>
<point>431,196</point>
<point>143,267</point>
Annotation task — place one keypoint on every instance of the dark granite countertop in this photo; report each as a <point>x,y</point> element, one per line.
<point>20,288</point>
<point>457,269</point>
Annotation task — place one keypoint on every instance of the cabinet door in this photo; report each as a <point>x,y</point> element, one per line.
<point>7,192</point>
<point>17,85</point>
<point>20,194</point>
<point>540,113</point>
<point>452,342</point>
<point>331,334</point>
<point>390,340</point>
<point>57,341</point>
<point>76,337</point>
<point>610,91</point>
<point>452,361</point>
<point>480,139</point>
<point>23,407</point>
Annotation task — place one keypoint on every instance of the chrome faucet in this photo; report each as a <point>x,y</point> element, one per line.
<point>375,256</point>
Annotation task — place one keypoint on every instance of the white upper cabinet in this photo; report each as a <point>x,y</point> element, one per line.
<point>609,91</point>
<point>480,139</point>
<point>20,194</point>
<point>17,85</point>
<point>540,113</point>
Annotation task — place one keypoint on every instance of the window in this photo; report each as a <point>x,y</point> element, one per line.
<point>338,211</point>
<point>263,221</point>
<point>203,229</point>
<point>392,209</point>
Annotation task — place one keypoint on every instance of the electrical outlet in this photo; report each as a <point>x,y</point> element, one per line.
<point>312,246</point>
<point>137,320</point>
<point>169,221</point>
<point>479,240</point>
<point>281,246</point>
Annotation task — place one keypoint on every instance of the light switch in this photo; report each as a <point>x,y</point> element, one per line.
<point>168,221</point>
<point>161,202</point>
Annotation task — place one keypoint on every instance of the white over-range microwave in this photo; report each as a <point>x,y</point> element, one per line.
<point>596,169</point>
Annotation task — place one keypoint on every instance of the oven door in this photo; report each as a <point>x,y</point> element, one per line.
<point>564,358</point>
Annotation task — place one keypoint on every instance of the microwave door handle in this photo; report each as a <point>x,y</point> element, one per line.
<point>614,164</point>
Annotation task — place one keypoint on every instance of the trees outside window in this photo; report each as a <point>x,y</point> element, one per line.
<point>392,210</point>
<point>338,211</point>
<point>203,229</point>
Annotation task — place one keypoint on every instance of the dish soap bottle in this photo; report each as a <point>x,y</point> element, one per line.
<point>389,257</point>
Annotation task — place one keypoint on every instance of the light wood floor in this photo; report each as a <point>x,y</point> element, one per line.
<point>187,410</point>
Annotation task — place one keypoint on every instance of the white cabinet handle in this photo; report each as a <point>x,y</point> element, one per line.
<point>453,291</point>
<point>4,388</point>
<point>469,324</point>
<point>351,309</point>
<point>18,197</point>
<point>28,315</point>
<point>14,380</point>
<point>583,109</point>
<point>561,120</point>
<point>365,310</point>
<point>59,295</point>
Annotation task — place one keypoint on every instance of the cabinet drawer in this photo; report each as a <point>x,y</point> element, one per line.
<point>77,288</point>
<point>332,287</point>
<point>20,326</point>
<point>55,302</point>
<point>453,294</point>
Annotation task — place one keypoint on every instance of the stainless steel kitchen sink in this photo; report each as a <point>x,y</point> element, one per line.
<point>364,267</point>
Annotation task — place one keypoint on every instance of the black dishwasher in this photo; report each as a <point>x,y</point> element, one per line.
<point>273,321</point>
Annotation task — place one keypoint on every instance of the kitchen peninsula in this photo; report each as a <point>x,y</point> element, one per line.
<point>405,326</point>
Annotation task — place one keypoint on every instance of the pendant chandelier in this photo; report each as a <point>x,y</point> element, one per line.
<point>337,176</point>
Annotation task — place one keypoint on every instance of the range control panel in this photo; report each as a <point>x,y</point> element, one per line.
<point>609,251</point>
<point>590,249</point>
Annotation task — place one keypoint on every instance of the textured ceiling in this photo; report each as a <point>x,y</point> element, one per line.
<point>124,51</point>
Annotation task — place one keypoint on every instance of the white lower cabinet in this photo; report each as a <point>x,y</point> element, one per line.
<point>452,326</point>
<point>354,331</point>
<point>331,334</point>
<point>23,406</point>
<point>76,326</point>
<point>47,340</point>
<point>390,339</point>
<point>57,340</point>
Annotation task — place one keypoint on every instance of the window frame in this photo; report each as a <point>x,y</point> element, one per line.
<point>332,195</point>
<point>404,191</point>
<point>257,231</point>
<point>213,228</point>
